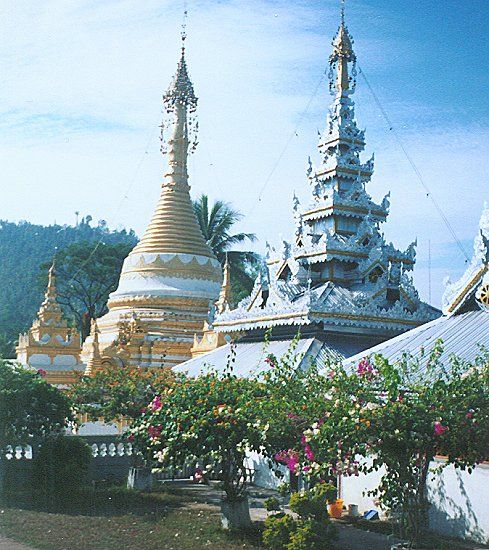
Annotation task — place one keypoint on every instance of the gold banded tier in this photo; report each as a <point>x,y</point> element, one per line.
<point>174,227</point>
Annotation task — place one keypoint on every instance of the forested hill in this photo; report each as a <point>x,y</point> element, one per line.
<point>24,247</point>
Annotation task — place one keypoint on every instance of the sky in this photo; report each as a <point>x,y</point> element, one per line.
<point>80,105</point>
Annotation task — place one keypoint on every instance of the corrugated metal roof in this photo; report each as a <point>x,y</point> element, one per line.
<point>249,357</point>
<point>462,335</point>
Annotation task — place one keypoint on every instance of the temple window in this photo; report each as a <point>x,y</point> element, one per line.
<point>393,294</point>
<point>264,298</point>
<point>374,275</point>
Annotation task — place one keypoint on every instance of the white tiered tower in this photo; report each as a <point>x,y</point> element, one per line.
<point>337,278</point>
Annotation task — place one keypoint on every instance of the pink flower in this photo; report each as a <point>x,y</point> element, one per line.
<point>156,404</point>
<point>292,462</point>
<point>41,372</point>
<point>306,469</point>
<point>290,458</point>
<point>154,432</point>
<point>440,429</point>
<point>270,360</point>
<point>365,368</point>
<point>309,453</point>
<point>470,414</point>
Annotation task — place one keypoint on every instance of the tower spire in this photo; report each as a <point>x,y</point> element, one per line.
<point>94,359</point>
<point>174,227</point>
<point>340,81</point>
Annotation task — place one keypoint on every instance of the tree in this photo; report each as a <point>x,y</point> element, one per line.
<point>23,248</point>
<point>86,275</point>
<point>116,392</point>
<point>210,419</point>
<point>30,408</point>
<point>301,403</point>
<point>406,414</point>
<point>216,223</point>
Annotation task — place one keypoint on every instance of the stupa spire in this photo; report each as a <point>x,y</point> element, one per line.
<point>94,359</point>
<point>225,294</point>
<point>50,308</point>
<point>174,227</point>
<point>340,80</point>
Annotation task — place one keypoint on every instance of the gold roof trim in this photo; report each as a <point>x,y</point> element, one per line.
<point>467,288</point>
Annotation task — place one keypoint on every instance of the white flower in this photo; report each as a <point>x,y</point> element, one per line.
<point>161,455</point>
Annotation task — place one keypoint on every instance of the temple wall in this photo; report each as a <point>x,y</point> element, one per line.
<point>459,500</point>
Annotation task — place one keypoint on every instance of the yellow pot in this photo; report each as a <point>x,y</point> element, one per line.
<point>336,509</point>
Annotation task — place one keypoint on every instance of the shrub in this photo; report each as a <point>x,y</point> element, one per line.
<point>278,530</point>
<point>272,504</point>
<point>313,504</point>
<point>30,408</point>
<point>312,535</point>
<point>61,466</point>
<point>313,529</point>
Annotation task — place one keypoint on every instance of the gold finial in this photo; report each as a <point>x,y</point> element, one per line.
<point>50,309</point>
<point>50,294</point>
<point>51,289</point>
<point>342,54</point>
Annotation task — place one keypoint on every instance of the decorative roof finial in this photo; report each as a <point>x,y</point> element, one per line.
<point>341,82</point>
<point>224,300</point>
<point>50,307</point>
<point>181,91</point>
<point>94,359</point>
<point>183,32</point>
<point>51,289</point>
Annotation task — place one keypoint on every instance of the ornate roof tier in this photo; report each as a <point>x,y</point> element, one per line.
<point>464,327</point>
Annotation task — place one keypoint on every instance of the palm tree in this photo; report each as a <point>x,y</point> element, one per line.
<point>216,222</point>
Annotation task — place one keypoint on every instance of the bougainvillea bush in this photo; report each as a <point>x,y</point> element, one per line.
<point>408,413</point>
<point>301,403</point>
<point>210,420</point>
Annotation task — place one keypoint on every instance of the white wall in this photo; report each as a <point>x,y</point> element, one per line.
<point>459,500</point>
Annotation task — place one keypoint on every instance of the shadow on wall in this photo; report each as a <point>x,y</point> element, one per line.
<point>452,512</point>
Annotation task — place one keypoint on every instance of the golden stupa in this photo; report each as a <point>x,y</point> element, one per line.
<point>50,345</point>
<point>170,278</point>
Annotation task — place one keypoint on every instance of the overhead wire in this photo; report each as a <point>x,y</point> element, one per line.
<point>287,143</point>
<point>417,172</point>
<point>119,205</point>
